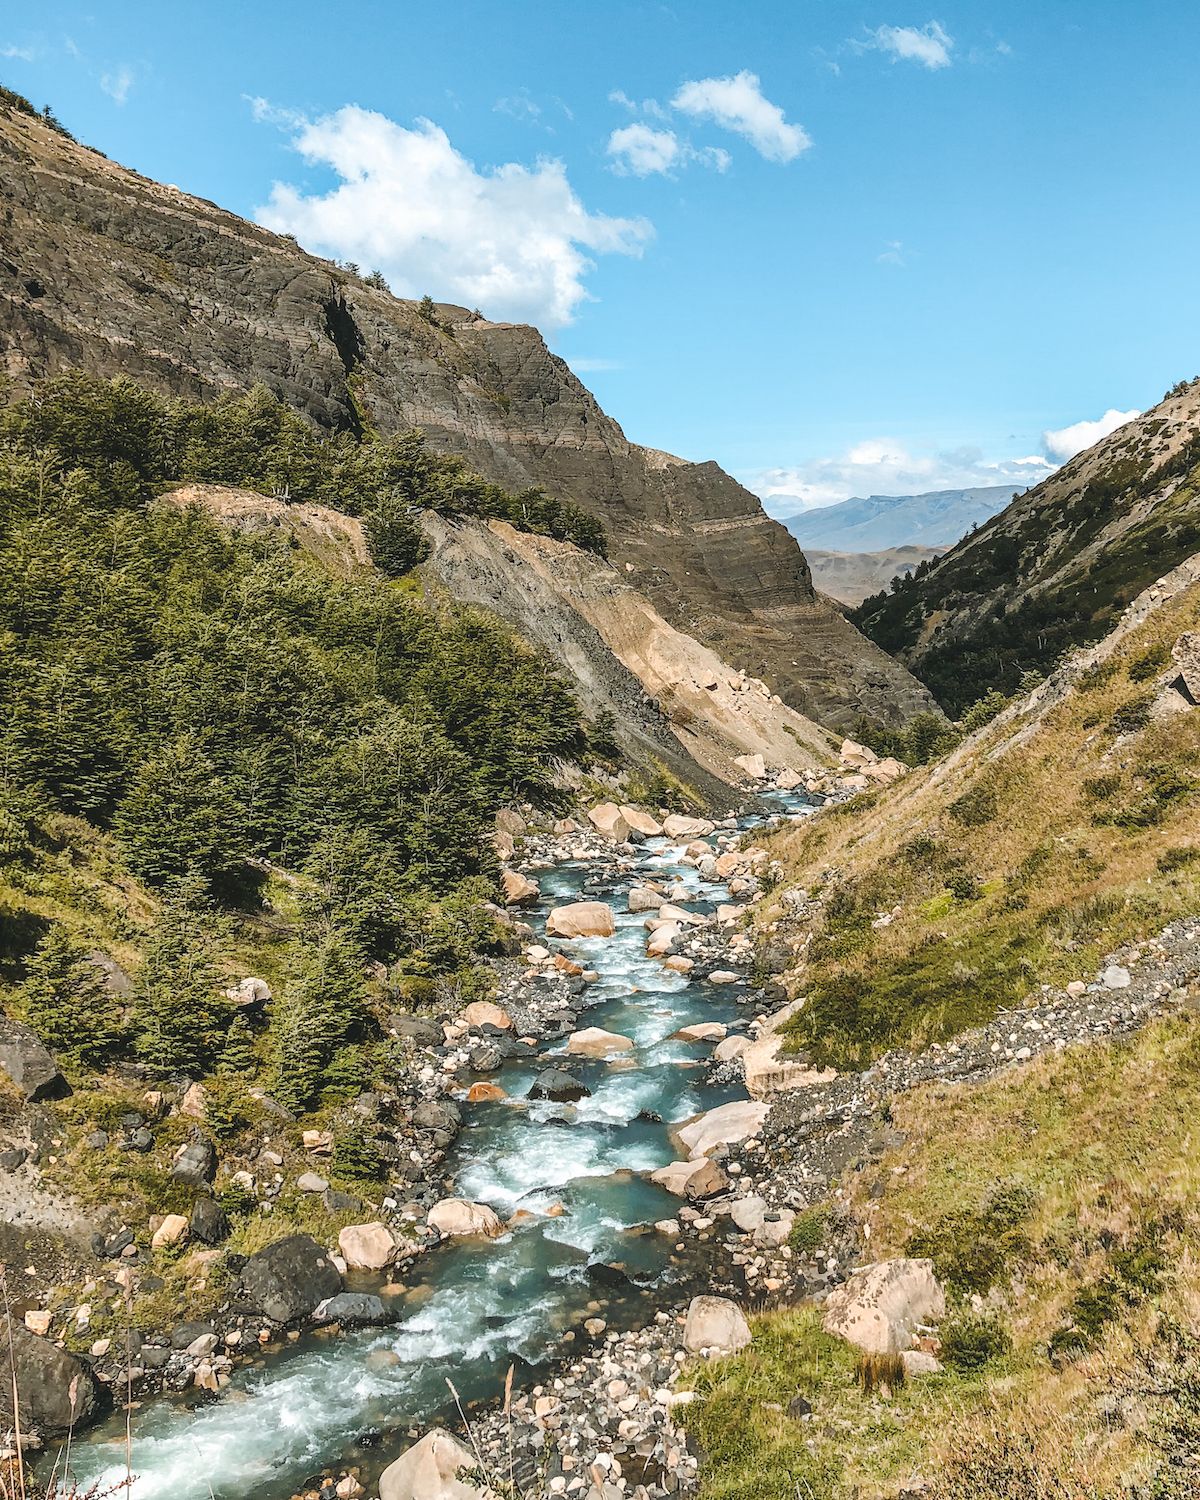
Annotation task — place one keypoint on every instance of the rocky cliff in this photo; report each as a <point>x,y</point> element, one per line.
<point>1056,568</point>
<point>102,269</point>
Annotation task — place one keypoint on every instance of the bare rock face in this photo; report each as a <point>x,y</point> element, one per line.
<point>107,271</point>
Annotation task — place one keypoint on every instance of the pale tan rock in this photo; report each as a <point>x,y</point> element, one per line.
<point>194,1103</point>
<point>691,1179</point>
<point>854,755</point>
<point>788,780</point>
<point>662,940</point>
<point>458,1217</point>
<point>731,1047</point>
<point>769,1070</point>
<point>607,819</point>
<point>715,1324</point>
<point>38,1320</point>
<point>701,1031</point>
<point>724,1126</point>
<point>879,1307</point>
<point>483,1093</point>
<point>510,821</point>
<point>565,826</point>
<point>519,890</point>
<point>644,898</point>
<point>679,964</point>
<point>430,1470</point>
<point>885,771</point>
<point>682,829</point>
<point>485,1013</point>
<point>171,1231</point>
<point>581,919</point>
<point>367,1247</point>
<point>753,765</point>
<point>594,1041</point>
<point>640,821</point>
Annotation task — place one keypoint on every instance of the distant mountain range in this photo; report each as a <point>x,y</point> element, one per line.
<point>877,522</point>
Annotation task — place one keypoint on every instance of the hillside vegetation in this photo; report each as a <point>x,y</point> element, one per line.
<point>1056,568</point>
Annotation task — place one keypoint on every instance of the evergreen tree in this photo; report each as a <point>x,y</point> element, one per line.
<point>323,1008</point>
<point>237,1053</point>
<point>180,1015</point>
<point>65,1000</point>
<point>394,536</point>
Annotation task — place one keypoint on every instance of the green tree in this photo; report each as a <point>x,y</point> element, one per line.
<point>323,1008</point>
<point>180,1015</point>
<point>394,536</point>
<point>65,1000</point>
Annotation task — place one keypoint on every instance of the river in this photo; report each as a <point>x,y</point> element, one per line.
<point>474,1308</point>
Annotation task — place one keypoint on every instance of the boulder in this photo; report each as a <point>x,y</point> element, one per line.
<point>208,1223</point>
<point>702,1031</point>
<point>558,1085</point>
<point>419,1030</point>
<point>715,1324</point>
<point>45,1377</point>
<point>775,1230</point>
<point>691,1179</point>
<point>607,819</point>
<point>194,1103</point>
<point>643,898</point>
<point>731,1047</point>
<point>519,890</point>
<point>352,1310</point>
<point>484,1093</point>
<point>311,1182</point>
<point>723,1126</point>
<point>366,1247</point>
<point>669,912</point>
<point>885,771</point>
<point>683,829</point>
<point>290,1278</point>
<point>788,780</point>
<point>879,1307</point>
<point>853,755</point>
<point>753,765</point>
<point>723,976</point>
<point>459,1217</point>
<point>641,821</point>
<point>429,1471</point>
<point>29,1064</point>
<point>484,1013</point>
<point>581,919</point>
<point>195,1163</point>
<point>663,939</point>
<point>173,1228</point>
<point>510,821</point>
<point>1116,977</point>
<point>249,992</point>
<point>748,1213</point>
<point>768,1069</point>
<point>1185,654</point>
<point>594,1041</point>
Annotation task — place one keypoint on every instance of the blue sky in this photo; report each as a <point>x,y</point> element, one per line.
<point>840,247</point>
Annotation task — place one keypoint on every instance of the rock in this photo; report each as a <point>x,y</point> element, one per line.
<point>288,1279</point>
<point>45,1377</point>
<point>419,1030</point>
<point>194,1103</point>
<point>581,919</point>
<point>748,1213</point>
<point>731,1047</point>
<point>715,1324</point>
<point>1115,977</point>
<point>799,1406</point>
<point>691,1179</point>
<point>774,1230</point>
<point>920,1362</point>
<point>678,964</point>
<point>366,1247</point>
<point>38,1320</point>
<point>484,1013</point>
<point>662,940</point>
<point>565,826</point>
<point>558,1085</point>
<point>885,771</point>
<point>510,821</point>
<point>173,1228</point>
<point>607,819</point>
<point>484,1093</point>
<point>682,829</point>
<point>854,755</point>
<point>640,821</point>
<point>753,765</point>
<point>311,1182</point>
<point>459,1217</point>
<point>195,1163</point>
<point>723,1126</point>
<point>788,780</point>
<point>594,1041</point>
<point>429,1470</point>
<point>769,1072</point>
<point>116,981</point>
<point>29,1064</point>
<point>485,1059</point>
<point>879,1307</point>
<point>723,976</point>
<point>249,992</point>
<point>202,1346</point>
<point>519,890</point>
<point>643,898</point>
<point>701,1031</point>
<point>352,1310</point>
<point>208,1223</point>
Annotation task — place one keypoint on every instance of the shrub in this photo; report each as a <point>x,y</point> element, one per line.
<point>971,1340</point>
<point>1149,663</point>
<point>1132,716</point>
<point>808,1230</point>
<point>978,805</point>
<point>1177,858</point>
<point>972,1248</point>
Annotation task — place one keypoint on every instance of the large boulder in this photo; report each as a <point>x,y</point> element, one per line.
<point>485,1013</point>
<point>430,1470</point>
<point>607,819</point>
<point>683,829</point>
<point>458,1217</point>
<point>769,1070</point>
<point>28,1064</point>
<point>691,1179</point>
<point>643,898</point>
<point>581,919</point>
<point>753,766</point>
<point>723,1126</point>
<point>44,1377</point>
<point>559,1086</point>
<point>641,821</point>
<point>290,1278</point>
<point>879,1307</point>
<point>352,1310</point>
<point>594,1041</point>
<point>715,1324</point>
<point>854,756</point>
<point>366,1247</point>
<point>519,890</point>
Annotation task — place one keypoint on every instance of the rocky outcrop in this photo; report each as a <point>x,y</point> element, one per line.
<point>106,270</point>
<point>881,1307</point>
<point>289,1279</point>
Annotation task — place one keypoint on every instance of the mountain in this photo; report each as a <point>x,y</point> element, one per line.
<point>851,577</point>
<point>1057,566</point>
<point>870,524</point>
<point>106,270</point>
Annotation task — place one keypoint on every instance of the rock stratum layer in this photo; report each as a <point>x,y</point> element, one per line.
<point>105,270</point>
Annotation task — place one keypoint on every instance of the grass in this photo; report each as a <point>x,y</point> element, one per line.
<point>1081,1169</point>
<point>1022,859</point>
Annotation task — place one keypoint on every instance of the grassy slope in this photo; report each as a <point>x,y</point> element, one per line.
<point>1039,846</point>
<point>1099,1146</point>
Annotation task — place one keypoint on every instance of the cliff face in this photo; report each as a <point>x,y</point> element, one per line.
<point>1056,568</point>
<point>104,270</point>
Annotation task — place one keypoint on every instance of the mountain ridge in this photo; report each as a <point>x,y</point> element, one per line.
<point>873,523</point>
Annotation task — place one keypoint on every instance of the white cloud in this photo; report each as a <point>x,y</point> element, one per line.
<point>930,45</point>
<point>641,151</point>
<point>18,54</point>
<point>520,106</point>
<point>738,104</point>
<point>510,239</point>
<point>649,107</point>
<point>117,84</point>
<point>885,466</point>
<point>893,254</point>
<point>1063,443</point>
